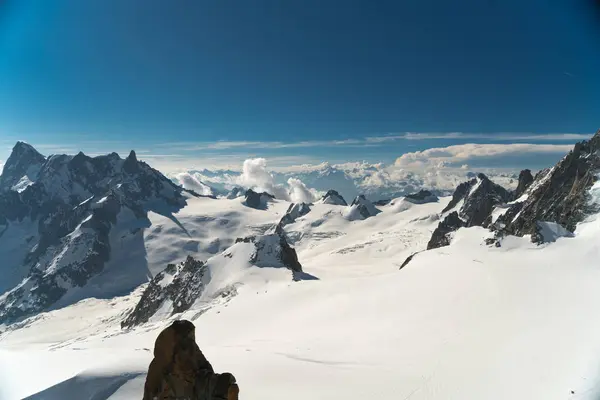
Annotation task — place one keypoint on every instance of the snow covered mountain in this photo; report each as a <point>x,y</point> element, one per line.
<point>375,181</point>
<point>62,219</point>
<point>565,195</point>
<point>291,293</point>
<point>544,207</point>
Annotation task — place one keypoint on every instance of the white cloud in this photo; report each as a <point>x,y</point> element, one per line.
<point>299,193</point>
<point>190,182</point>
<point>497,136</point>
<point>256,176</point>
<point>372,141</point>
<point>457,155</point>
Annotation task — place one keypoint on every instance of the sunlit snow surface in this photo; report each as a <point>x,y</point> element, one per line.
<point>466,321</point>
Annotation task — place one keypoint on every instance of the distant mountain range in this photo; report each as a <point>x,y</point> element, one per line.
<point>375,181</point>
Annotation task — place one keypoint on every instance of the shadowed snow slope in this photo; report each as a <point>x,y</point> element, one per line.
<point>461,322</point>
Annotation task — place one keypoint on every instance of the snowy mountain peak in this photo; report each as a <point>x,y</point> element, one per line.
<point>361,208</point>
<point>132,156</point>
<point>21,168</point>
<point>564,194</point>
<point>257,200</point>
<point>294,211</point>
<point>525,179</point>
<point>471,205</point>
<point>334,198</point>
<point>63,224</point>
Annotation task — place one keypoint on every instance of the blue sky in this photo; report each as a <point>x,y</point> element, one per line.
<point>295,81</point>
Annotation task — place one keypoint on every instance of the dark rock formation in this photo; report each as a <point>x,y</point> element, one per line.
<point>459,194</point>
<point>525,179</point>
<point>179,370</point>
<point>179,284</point>
<point>560,194</point>
<point>408,260</point>
<point>441,235</point>
<point>421,197</point>
<point>294,211</point>
<point>333,197</point>
<point>257,200</point>
<point>479,196</point>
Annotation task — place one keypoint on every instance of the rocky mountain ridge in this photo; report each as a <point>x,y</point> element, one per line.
<point>555,200</point>
<point>70,206</point>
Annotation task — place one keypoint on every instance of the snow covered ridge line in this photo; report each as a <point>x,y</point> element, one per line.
<point>545,207</point>
<point>80,210</point>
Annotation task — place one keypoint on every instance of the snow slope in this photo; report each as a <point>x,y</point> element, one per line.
<point>465,321</point>
<point>203,228</point>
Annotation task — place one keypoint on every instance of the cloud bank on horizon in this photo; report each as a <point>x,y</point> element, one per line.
<point>300,177</point>
<point>416,151</point>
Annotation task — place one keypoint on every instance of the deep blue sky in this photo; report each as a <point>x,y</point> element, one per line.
<point>154,71</point>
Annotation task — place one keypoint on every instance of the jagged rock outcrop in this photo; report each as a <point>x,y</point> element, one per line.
<point>561,194</point>
<point>442,234</point>
<point>421,197</point>
<point>178,285</point>
<point>475,201</point>
<point>179,370</point>
<point>64,218</point>
<point>257,200</point>
<point>361,208</point>
<point>525,179</point>
<point>334,198</point>
<point>294,211</point>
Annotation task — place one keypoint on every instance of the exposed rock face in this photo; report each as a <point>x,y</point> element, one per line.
<point>561,194</point>
<point>441,236</point>
<point>334,198</point>
<point>525,179</point>
<point>272,251</point>
<point>71,207</point>
<point>476,198</point>
<point>179,284</point>
<point>294,211</point>
<point>179,370</point>
<point>422,197</point>
<point>361,208</point>
<point>257,200</point>
<point>21,168</point>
